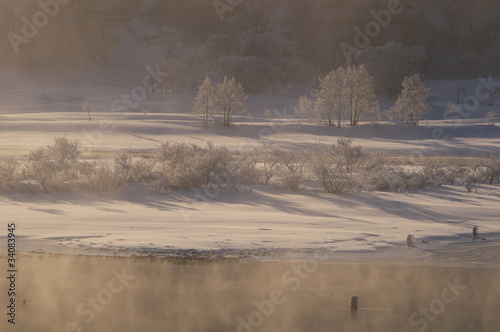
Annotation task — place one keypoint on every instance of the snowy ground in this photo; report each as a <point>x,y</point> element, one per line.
<point>262,218</point>
<point>346,226</point>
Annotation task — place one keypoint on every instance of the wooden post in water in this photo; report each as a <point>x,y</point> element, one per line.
<point>354,303</point>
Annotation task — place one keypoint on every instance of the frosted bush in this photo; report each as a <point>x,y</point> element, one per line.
<point>242,172</point>
<point>291,169</point>
<point>10,174</point>
<point>184,166</point>
<point>471,177</point>
<point>102,176</point>
<point>143,170</point>
<point>491,169</point>
<point>53,167</point>
<point>267,155</point>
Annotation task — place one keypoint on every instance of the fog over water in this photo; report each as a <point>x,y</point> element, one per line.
<point>92,293</point>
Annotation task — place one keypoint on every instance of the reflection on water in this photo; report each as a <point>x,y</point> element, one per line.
<point>77,293</point>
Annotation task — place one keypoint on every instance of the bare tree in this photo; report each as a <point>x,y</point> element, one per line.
<point>204,103</point>
<point>87,107</point>
<point>491,117</point>
<point>492,94</point>
<point>358,92</point>
<point>330,97</point>
<point>451,110</point>
<point>229,98</point>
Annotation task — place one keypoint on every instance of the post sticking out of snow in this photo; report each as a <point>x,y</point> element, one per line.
<point>354,303</point>
<point>475,231</point>
<point>410,241</point>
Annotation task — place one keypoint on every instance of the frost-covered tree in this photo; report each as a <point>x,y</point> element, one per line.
<point>87,107</point>
<point>358,93</point>
<point>491,117</point>
<point>451,110</point>
<point>411,102</point>
<point>330,97</point>
<point>204,102</point>
<point>229,98</point>
<point>305,109</point>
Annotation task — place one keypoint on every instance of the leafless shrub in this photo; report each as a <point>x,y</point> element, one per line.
<point>53,167</point>
<point>266,154</point>
<point>341,167</point>
<point>242,172</point>
<point>177,169</point>
<point>491,169</point>
<point>330,175</point>
<point>102,176</point>
<point>211,161</point>
<point>413,178</point>
<point>471,177</point>
<point>291,168</point>
<point>10,174</point>
<point>184,166</point>
<point>381,178</point>
<point>143,170</point>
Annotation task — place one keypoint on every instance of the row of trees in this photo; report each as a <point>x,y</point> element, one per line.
<point>345,90</point>
<point>336,168</point>
<point>351,91</point>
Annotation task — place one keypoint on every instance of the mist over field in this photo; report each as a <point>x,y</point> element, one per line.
<point>249,165</point>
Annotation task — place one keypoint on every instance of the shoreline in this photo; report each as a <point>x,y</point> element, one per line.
<point>483,254</point>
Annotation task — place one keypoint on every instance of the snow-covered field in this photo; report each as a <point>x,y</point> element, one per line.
<point>359,226</point>
<point>346,226</point>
